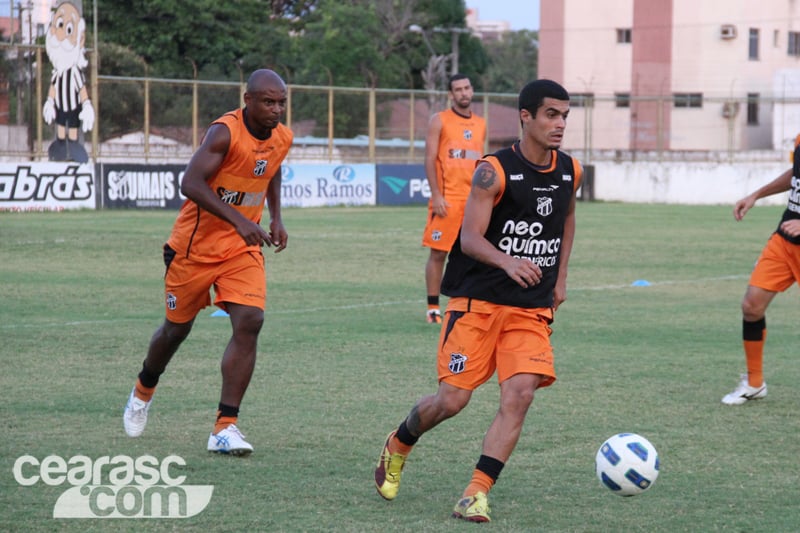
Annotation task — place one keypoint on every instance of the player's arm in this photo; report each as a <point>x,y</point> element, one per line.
<point>780,184</point>
<point>202,166</point>
<point>438,203</point>
<point>567,238</point>
<point>477,214</point>
<point>277,232</point>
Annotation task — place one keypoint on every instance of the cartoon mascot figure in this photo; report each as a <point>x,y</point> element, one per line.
<point>68,100</point>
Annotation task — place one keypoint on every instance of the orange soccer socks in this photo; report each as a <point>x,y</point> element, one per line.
<point>226,415</point>
<point>403,441</point>
<point>145,384</point>
<point>754,334</point>
<point>484,476</point>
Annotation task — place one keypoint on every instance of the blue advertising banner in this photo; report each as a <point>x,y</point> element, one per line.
<point>327,185</point>
<point>402,184</point>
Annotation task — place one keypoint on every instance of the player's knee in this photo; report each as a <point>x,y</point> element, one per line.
<point>175,333</point>
<point>452,404</point>
<point>247,321</point>
<point>438,256</point>
<point>752,309</point>
<point>517,399</point>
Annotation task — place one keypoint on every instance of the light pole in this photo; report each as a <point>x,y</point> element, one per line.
<point>416,28</point>
<point>454,33</point>
<point>435,71</point>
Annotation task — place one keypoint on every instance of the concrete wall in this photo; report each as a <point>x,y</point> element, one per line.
<point>684,183</point>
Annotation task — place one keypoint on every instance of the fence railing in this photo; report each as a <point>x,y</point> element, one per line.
<point>163,120</point>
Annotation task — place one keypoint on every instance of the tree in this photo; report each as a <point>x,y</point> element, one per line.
<point>514,62</point>
<point>175,36</point>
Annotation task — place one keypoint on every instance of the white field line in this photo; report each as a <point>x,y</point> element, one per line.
<point>367,305</point>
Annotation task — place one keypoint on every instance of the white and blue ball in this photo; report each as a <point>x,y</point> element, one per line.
<point>627,464</point>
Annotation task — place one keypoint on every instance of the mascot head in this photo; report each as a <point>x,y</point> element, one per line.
<point>66,36</point>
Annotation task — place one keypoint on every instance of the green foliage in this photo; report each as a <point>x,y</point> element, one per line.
<point>176,36</point>
<point>354,43</point>
<point>514,62</point>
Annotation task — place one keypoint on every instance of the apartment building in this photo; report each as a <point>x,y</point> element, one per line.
<point>676,74</point>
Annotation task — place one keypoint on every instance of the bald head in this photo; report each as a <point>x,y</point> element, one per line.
<point>264,79</point>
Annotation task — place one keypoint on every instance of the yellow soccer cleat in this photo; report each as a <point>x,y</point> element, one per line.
<point>387,473</point>
<point>473,508</point>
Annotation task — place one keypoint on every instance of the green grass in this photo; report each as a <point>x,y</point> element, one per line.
<point>345,353</point>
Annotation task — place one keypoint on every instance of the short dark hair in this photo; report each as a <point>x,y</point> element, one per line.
<point>533,94</point>
<point>455,77</point>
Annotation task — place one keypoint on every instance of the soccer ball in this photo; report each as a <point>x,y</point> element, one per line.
<point>627,464</point>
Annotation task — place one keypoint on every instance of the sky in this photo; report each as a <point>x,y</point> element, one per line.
<point>522,14</point>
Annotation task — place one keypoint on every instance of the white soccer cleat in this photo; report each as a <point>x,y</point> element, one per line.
<point>744,392</point>
<point>230,441</point>
<point>135,416</point>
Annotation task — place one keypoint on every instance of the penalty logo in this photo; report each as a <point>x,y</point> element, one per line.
<point>115,487</point>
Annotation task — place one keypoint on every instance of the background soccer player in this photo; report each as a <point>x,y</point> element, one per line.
<point>454,142</point>
<point>777,269</point>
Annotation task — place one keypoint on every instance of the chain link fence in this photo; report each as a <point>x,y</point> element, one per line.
<point>145,119</point>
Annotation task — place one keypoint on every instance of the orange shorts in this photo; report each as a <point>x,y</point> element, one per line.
<point>778,266</point>
<point>479,337</point>
<point>187,284</point>
<point>441,232</point>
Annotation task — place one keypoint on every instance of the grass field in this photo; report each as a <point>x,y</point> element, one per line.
<point>345,353</point>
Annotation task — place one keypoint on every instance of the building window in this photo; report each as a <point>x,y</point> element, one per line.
<point>622,99</point>
<point>752,109</point>
<point>753,46</point>
<point>581,99</point>
<point>794,43</point>
<point>623,35</point>
<point>688,99</point>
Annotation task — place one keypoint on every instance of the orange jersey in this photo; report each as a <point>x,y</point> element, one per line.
<point>460,146</point>
<point>240,182</point>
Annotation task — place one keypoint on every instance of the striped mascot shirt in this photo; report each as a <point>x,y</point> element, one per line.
<point>68,85</point>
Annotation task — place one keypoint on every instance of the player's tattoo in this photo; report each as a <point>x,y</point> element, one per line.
<point>412,422</point>
<point>484,176</point>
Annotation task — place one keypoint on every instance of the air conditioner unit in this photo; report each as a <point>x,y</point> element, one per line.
<point>727,31</point>
<point>730,109</point>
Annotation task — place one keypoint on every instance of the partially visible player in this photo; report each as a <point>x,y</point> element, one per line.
<point>506,277</point>
<point>217,242</point>
<point>777,269</point>
<point>454,142</point>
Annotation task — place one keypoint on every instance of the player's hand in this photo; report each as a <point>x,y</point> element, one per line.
<point>278,236</point>
<point>439,205</point>
<point>791,227</point>
<point>559,294</point>
<point>743,206</point>
<point>253,234</point>
<point>522,271</point>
